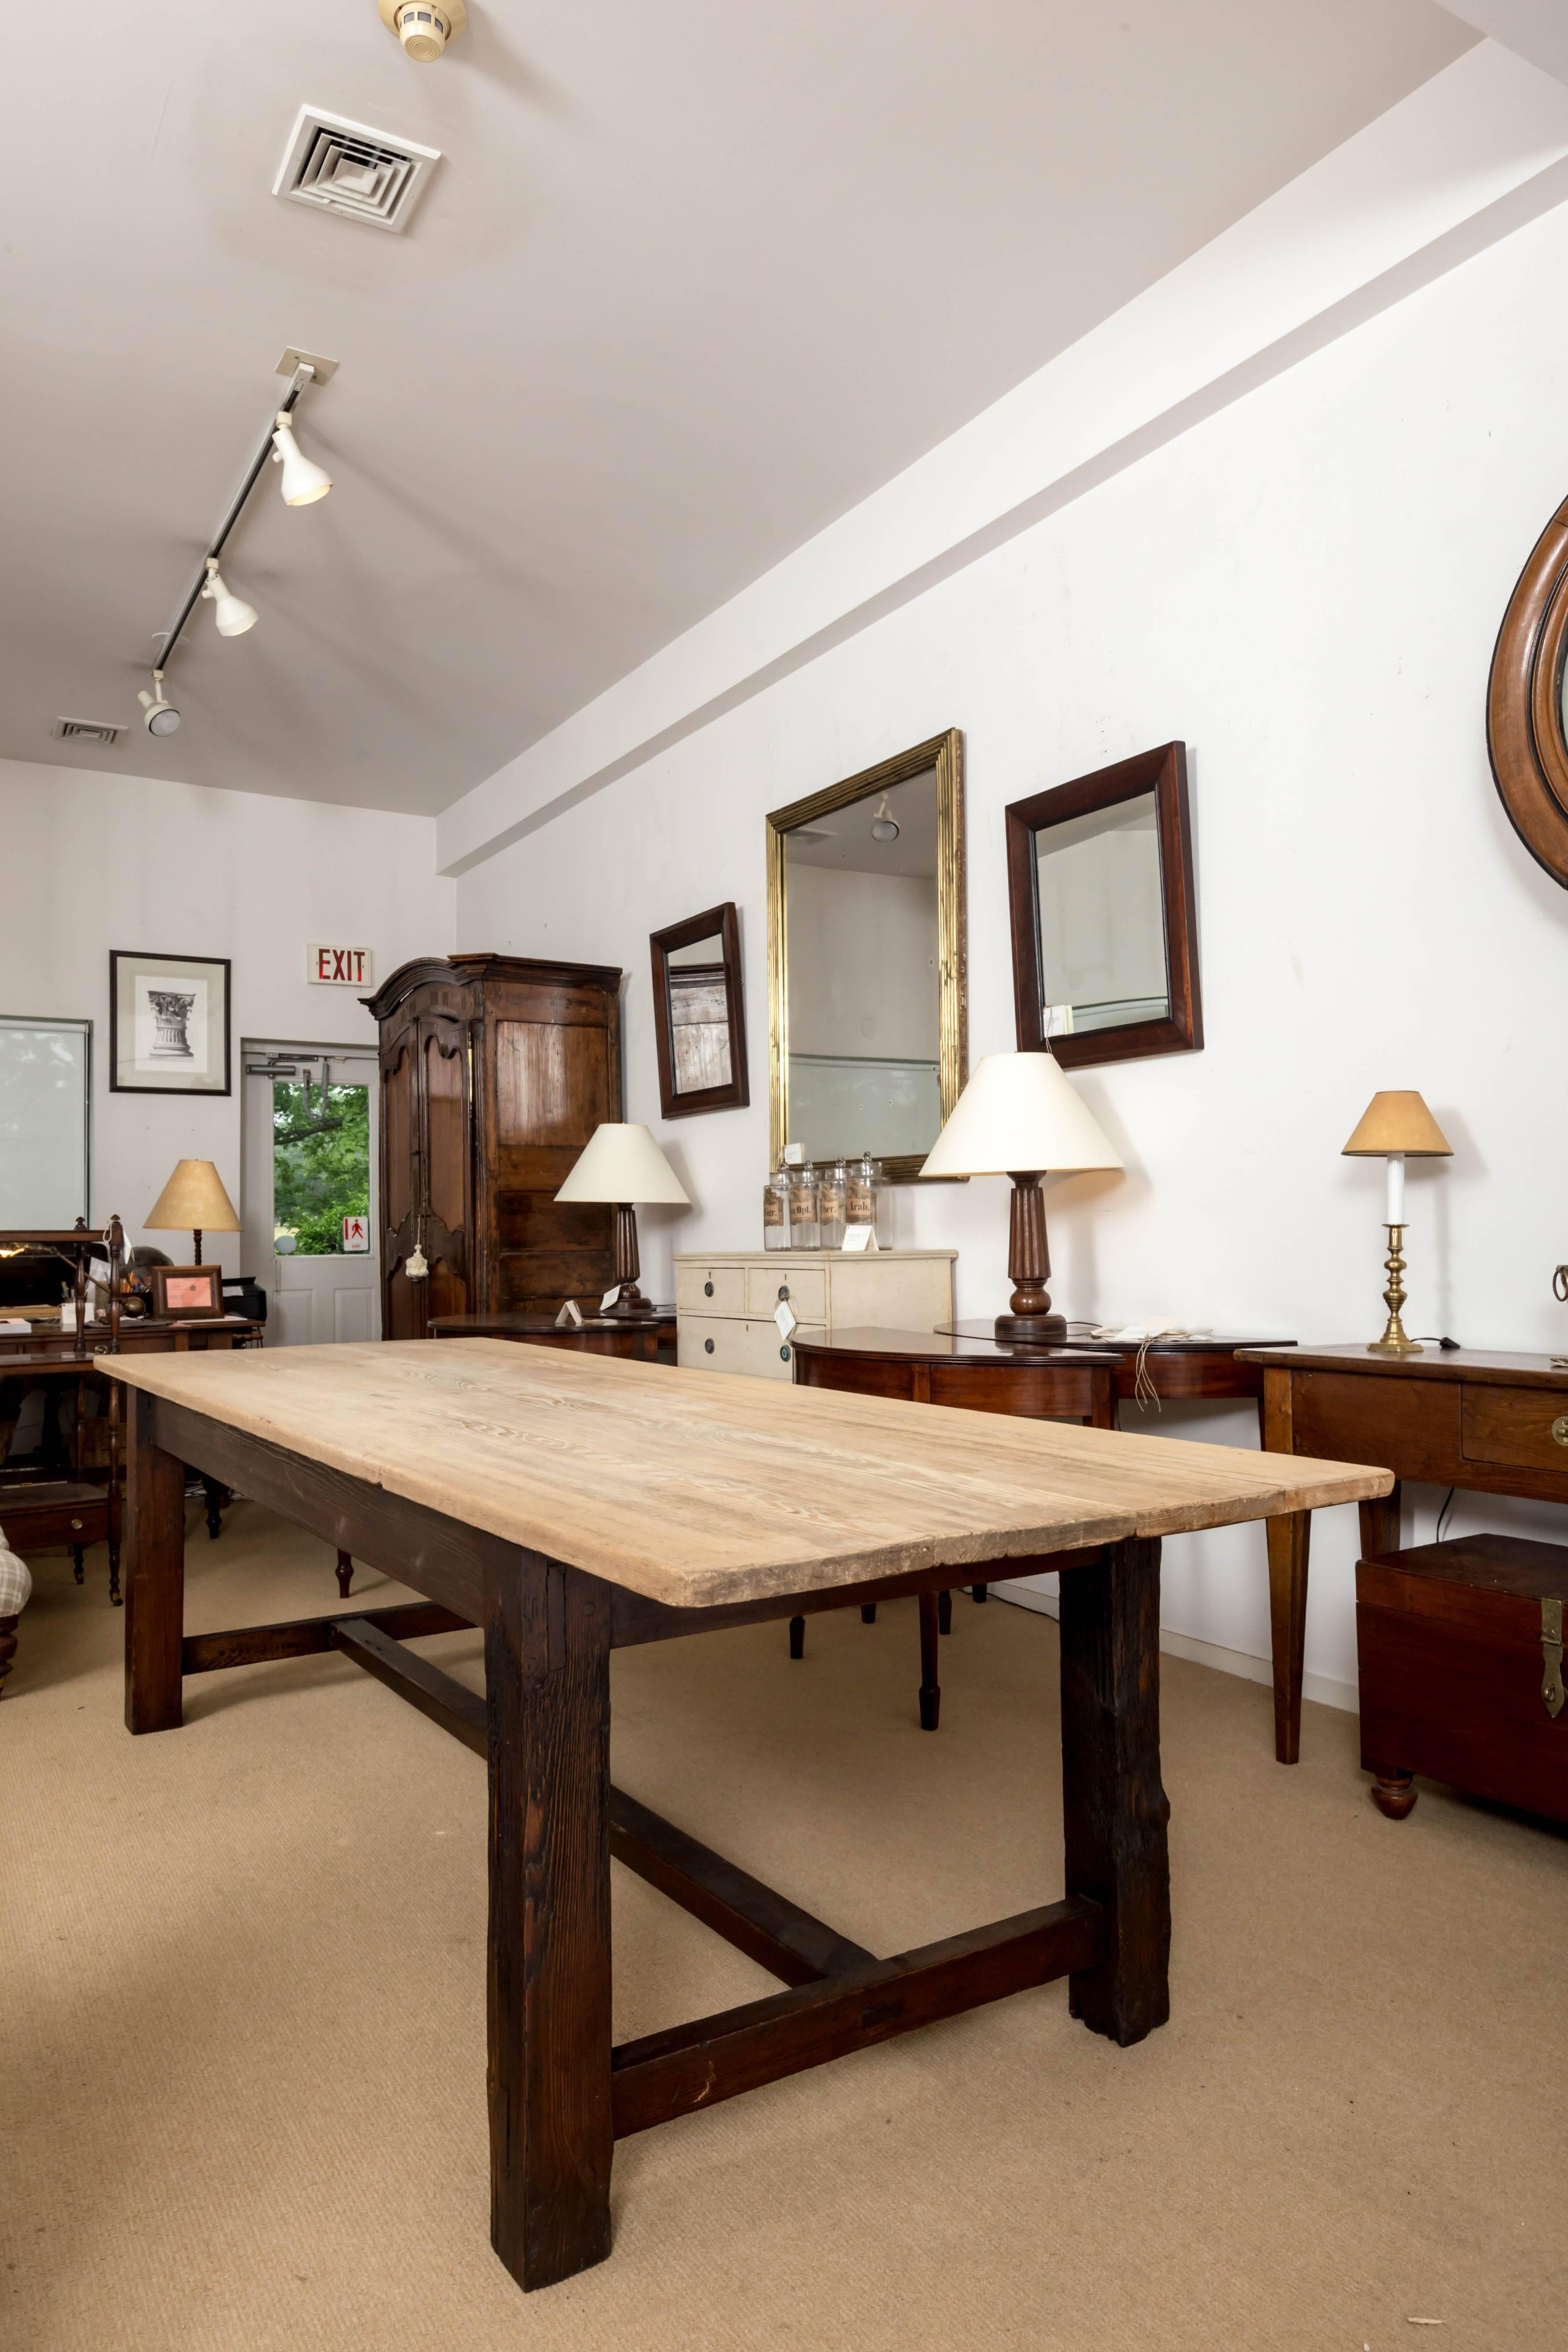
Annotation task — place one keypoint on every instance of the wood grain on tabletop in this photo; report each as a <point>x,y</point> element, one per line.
<point>699,1488</point>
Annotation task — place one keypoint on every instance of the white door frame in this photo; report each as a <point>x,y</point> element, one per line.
<point>257,1255</point>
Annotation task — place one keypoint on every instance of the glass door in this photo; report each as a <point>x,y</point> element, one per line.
<point>309,1208</point>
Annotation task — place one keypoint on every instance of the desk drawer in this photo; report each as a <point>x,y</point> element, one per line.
<point>711,1289</point>
<point>1525,1428</point>
<point>711,1343</point>
<point>807,1285</point>
<point>1041,1392</point>
<point>1408,1426</point>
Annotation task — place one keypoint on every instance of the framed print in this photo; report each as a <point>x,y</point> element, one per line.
<point>180,1292</point>
<point>168,1024</point>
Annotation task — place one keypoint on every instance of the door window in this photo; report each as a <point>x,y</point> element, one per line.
<point>321,1167</point>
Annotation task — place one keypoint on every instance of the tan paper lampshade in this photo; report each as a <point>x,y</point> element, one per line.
<point>193,1198</point>
<point>1398,1122</point>
<point>623,1164</point>
<point>1020,1116</point>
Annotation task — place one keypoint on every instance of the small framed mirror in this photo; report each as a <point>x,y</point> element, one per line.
<point>700,1021</point>
<point>1099,880</point>
<point>865,961</point>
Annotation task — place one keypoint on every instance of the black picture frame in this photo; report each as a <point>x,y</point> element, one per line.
<point>125,1076</point>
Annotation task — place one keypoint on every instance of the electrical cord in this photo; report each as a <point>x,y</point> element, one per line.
<point>1443,1515</point>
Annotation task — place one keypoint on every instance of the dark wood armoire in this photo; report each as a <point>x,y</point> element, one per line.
<point>495,1071</point>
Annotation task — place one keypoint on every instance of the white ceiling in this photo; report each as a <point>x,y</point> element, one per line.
<point>692,281</point>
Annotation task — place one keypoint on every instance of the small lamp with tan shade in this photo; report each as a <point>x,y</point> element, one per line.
<point>1396,1126</point>
<point>193,1200</point>
<point>622,1164</point>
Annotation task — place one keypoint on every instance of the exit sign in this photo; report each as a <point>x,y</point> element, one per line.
<point>330,966</point>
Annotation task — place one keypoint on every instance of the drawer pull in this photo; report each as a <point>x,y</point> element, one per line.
<point>784,1291</point>
<point>75,1523</point>
<point>1560,1428</point>
<point>1551,1656</point>
<point>708,1347</point>
<point>784,1355</point>
<point>707,1290</point>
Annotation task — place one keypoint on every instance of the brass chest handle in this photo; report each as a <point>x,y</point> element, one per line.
<point>1560,1428</point>
<point>1552,1653</point>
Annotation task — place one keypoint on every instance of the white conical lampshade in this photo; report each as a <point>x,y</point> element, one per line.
<point>302,482</point>
<point>233,615</point>
<point>623,1163</point>
<point>1019,1113</point>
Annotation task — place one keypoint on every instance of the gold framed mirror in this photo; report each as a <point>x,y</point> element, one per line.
<point>868,1015</point>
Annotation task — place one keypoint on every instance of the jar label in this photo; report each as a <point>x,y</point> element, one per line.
<point>862,1201</point>
<point>772,1208</point>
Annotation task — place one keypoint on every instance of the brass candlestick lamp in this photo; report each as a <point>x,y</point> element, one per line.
<point>1396,1128</point>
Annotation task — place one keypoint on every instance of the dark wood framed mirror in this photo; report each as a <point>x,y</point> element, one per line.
<point>1099,885</point>
<point>1527,737</point>
<point>699,1017</point>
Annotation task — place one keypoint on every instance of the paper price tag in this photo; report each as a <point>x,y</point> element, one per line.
<point>609,1298</point>
<point>571,1313</point>
<point>860,1237</point>
<point>785,1318</point>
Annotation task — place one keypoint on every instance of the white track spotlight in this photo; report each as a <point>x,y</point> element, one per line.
<point>303,483</point>
<point>886,828</point>
<point>424,26</point>
<point>234,615</point>
<point>159,717</point>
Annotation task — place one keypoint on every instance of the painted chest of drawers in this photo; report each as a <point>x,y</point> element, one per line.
<point>725,1303</point>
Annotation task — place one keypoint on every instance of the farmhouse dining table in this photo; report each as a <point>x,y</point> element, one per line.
<point>572,1505</point>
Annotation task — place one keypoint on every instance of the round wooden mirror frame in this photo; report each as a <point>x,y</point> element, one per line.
<point>1525,734</point>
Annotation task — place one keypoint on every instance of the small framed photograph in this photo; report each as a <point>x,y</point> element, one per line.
<point>180,1292</point>
<point>168,1024</point>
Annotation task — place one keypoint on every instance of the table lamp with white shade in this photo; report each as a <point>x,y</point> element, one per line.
<point>622,1164</point>
<point>1020,1117</point>
<point>193,1200</point>
<point>1396,1126</point>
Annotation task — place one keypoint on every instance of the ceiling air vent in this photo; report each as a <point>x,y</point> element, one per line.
<point>346,167</point>
<point>87,730</point>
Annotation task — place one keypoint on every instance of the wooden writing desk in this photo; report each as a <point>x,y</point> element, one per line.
<point>1496,1424</point>
<point>574,1503</point>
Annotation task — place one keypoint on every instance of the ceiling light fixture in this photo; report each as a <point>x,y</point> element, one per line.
<point>158,717</point>
<point>234,615</point>
<point>302,484</point>
<point>425,27</point>
<point>885,827</point>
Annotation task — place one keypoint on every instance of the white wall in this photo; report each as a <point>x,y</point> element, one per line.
<point>1306,587</point>
<point>94,862</point>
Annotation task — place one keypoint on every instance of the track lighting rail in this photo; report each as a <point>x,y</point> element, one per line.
<point>304,376</point>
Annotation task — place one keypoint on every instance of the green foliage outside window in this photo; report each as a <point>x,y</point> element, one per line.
<point>321,1164</point>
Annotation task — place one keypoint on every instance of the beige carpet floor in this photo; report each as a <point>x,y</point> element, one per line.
<point>242,2037</point>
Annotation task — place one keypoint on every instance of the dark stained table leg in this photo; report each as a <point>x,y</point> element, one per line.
<point>1379,1524</point>
<point>8,1647</point>
<point>1115,1807</point>
<point>945,1612</point>
<point>547,1676</point>
<point>155,1573</point>
<point>1288,1540</point>
<point>345,1572</point>
<point>215,1492</point>
<point>931,1687</point>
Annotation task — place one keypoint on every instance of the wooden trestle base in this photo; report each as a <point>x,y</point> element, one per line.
<point>560,2094</point>
<point>842,1997</point>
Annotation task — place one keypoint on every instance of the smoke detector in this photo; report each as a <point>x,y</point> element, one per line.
<point>339,167</point>
<point>425,27</point>
<point>87,730</point>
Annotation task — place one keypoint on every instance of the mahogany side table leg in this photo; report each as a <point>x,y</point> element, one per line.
<point>930,1688</point>
<point>155,1573</point>
<point>547,1677</point>
<point>344,1574</point>
<point>7,1648</point>
<point>1392,1795</point>
<point>797,1637</point>
<point>945,1612</point>
<point>1114,1806</point>
<point>1288,1539</point>
<point>1380,1526</point>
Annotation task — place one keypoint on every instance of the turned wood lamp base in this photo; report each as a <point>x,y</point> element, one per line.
<point>1028,1268</point>
<point>629,1306</point>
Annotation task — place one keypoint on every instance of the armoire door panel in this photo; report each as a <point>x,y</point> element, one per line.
<point>399,1128</point>
<point>532,1279</point>
<point>529,1221</point>
<point>446,1127</point>
<point>534,1168</point>
<point>552,1083</point>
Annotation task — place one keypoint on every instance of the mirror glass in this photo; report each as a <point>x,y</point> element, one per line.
<point>1102,919</point>
<point>698,1016</point>
<point>862,962</point>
